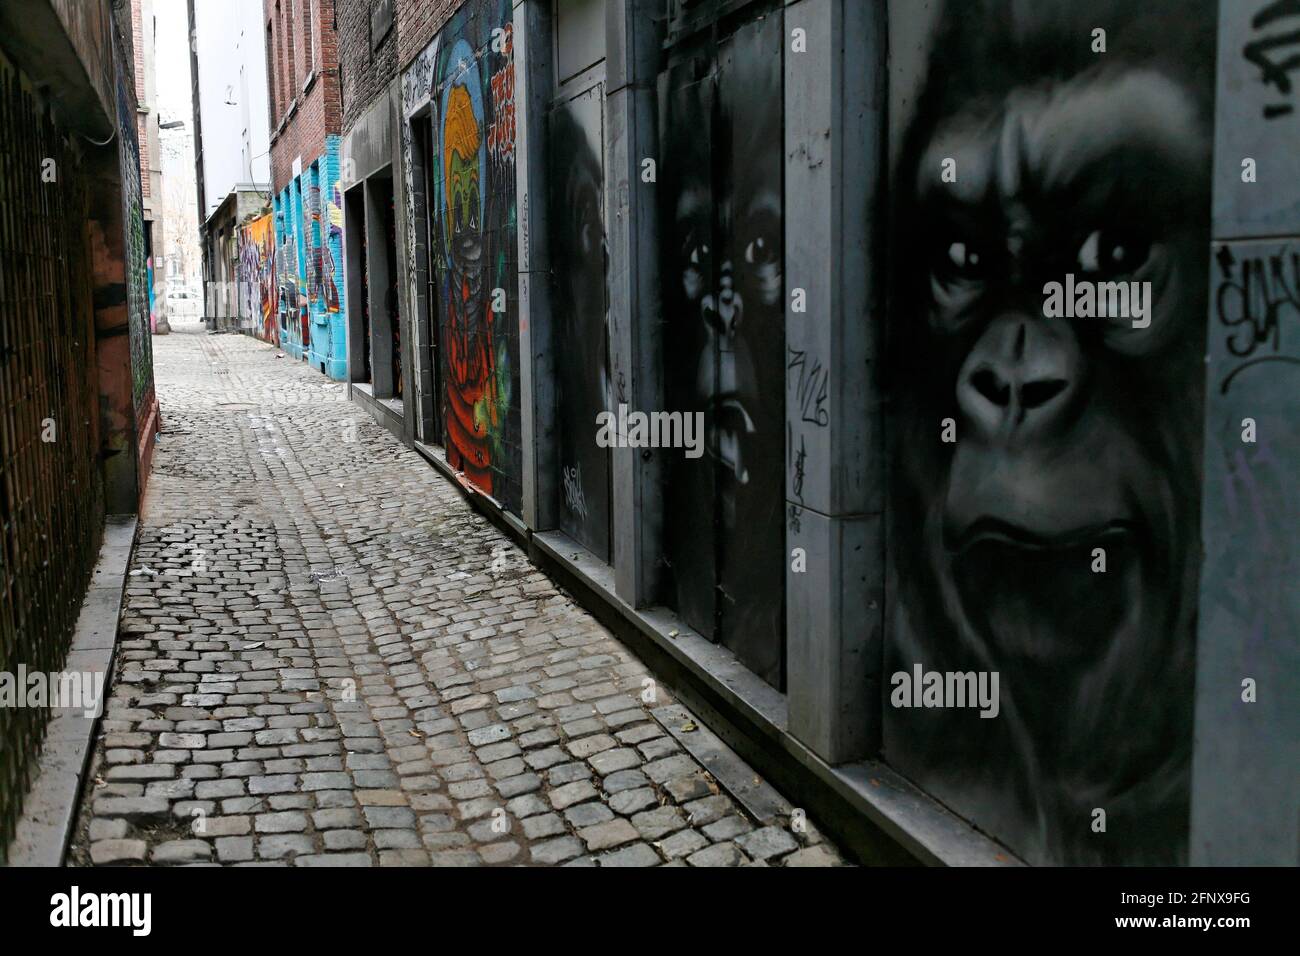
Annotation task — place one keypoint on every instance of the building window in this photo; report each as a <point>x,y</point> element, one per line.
<point>272,78</point>
<point>291,74</point>
<point>308,35</point>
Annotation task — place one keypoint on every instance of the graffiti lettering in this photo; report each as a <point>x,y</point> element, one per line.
<point>1274,72</point>
<point>1253,299</point>
<point>811,387</point>
<point>501,132</point>
<point>574,499</point>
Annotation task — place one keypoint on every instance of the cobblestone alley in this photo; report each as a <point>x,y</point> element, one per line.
<point>327,657</point>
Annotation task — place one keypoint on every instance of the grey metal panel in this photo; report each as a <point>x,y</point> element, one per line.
<point>579,36</point>
<point>1257,116</point>
<point>834,103</point>
<point>1245,786</point>
<point>533,87</point>
<point>634,314</point>
<point>369,144</point>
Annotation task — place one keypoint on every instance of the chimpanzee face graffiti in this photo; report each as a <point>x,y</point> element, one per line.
<point>585,306</point>
<point>722,287</point>
<point>1074,438</point>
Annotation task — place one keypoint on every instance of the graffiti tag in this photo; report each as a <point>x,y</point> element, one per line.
<point>811,387</point>
<point>1275,72</point>
<point>1254,298</point>
<point>574,499</point>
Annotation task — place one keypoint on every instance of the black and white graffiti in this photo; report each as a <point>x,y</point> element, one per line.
<point>1030,153</point>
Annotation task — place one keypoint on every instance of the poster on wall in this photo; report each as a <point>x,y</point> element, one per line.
<point>1051,197</point>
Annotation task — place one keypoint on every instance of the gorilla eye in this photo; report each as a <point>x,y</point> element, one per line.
<point>965,259</point>
<point>760,252</point>
<point>1108,253</point>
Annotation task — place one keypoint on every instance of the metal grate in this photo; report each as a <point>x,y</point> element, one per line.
<point>51,496</point>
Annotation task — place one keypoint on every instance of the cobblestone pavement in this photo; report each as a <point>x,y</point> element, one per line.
<point>327,657</point>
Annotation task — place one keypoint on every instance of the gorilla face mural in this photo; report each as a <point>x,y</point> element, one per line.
<point>582,361</point>
<point>1074,437</point>
<point>721,122</point>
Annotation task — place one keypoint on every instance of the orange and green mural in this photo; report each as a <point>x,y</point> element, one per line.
<point>257,277</point>
<point>467,74</point>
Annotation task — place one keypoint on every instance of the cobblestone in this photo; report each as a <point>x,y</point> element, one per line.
<point>324,659</point>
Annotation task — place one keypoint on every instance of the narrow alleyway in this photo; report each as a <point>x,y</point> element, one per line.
<point>327,657</point>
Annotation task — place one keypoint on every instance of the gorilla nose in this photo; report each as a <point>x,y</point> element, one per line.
<point>1020,378</point>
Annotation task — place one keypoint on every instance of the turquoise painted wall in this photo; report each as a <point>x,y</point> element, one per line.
<point>309,244</point>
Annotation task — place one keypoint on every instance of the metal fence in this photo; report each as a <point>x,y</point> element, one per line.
<point>51,495</point>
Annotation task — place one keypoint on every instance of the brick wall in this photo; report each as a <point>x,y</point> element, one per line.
<point>294,55</point>
<point>142,119</point>
<point>365,71</point>
<point>417,22</point>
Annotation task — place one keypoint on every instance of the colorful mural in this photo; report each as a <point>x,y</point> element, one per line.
<point>332,248</point>
<point>257,276</point>
<point>1052,538</point>
<point>466,76</point>
<point>309,252</point>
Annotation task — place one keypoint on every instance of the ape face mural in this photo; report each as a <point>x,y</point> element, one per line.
<point>725,339</point>
<point>582,358</point>
<point>1075,438</point>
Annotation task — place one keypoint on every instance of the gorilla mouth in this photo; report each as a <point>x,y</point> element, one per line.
<point>731,420</point>
<point>1039,600</point>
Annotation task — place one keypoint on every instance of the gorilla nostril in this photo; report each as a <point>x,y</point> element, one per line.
<point>989,385</point>
<point>1036,394</point>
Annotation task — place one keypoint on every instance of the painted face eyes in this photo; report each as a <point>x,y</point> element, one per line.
<point>962,259</point>
<point>1108,253</point>
<point>761,252</point>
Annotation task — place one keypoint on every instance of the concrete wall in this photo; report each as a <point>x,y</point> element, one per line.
<point>1244,785</point>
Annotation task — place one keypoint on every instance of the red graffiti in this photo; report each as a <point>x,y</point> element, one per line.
<point>501,131</point>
